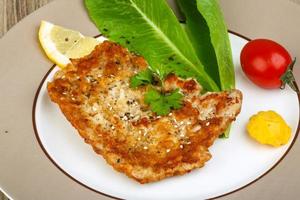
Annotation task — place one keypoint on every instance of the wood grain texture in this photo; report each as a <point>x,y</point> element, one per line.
<point>12,11</point>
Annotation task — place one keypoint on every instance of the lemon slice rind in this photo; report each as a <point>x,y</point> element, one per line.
<point>55,42</point>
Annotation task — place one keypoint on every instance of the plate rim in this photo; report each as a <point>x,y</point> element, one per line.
<point>36,133</point>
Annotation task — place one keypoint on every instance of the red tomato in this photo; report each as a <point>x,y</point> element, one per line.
<point>264,62</point>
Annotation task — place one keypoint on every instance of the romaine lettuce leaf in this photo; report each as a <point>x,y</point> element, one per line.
<point>207,30</point>
<point>150,28</point>
<point>199,34</point>
<point>211,12</point>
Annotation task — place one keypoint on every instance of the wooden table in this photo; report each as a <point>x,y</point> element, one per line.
<point>12,11</point>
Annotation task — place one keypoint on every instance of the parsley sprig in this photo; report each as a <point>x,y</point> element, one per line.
<point>142,78</point>
<point>160,103</point>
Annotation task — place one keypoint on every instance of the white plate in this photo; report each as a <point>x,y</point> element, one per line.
<point>235,162</point>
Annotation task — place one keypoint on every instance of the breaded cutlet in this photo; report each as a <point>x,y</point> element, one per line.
<point>94,94</point>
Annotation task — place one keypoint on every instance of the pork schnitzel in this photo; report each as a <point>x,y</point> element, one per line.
<point>95,96</point>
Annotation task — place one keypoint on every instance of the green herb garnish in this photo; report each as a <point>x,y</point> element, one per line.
<point>142,78</point>
<point>161,103</point>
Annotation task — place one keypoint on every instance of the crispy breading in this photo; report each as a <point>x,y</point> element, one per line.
<point>95,96</point>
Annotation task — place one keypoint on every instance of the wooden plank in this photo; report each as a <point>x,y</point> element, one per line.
<point>2,17</point>
<point>12,11</point>
<point>11,14</point>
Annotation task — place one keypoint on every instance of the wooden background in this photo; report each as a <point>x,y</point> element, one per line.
<point>12,11</point>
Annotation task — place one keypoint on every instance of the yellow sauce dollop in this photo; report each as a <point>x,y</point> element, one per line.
<point>268,127</point>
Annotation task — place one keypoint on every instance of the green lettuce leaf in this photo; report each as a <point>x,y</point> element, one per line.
<point>199,34</point>
<point>207,30</point>
<point>150,28</point>
<point>211,12</point>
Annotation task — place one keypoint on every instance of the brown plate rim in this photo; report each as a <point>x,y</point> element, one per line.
<point>107,195</point>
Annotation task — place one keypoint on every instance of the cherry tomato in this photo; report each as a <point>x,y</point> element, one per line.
<point>264,62</point>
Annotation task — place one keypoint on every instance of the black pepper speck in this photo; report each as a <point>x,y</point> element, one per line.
<point>171,59</point>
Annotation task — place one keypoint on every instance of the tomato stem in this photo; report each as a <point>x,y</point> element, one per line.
<point>288,78</point>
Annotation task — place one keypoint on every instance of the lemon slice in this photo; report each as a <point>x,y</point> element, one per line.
<point>82,48</point>
<point>61,44</point>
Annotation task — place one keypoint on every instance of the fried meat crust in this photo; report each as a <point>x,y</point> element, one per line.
<point>94,95</point>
